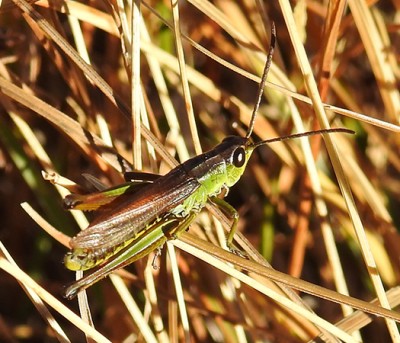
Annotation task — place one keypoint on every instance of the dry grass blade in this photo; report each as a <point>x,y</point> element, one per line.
<point>22,277</point>
<point>375,50</point>
<point>343,181</point>
<point>42,309</point>
<point>258,286</point>
<point>250,266</point>
<point>136,94</point>
<point>71,128</point>
<point>185,83</point>
<point>80,82</point>
<point>359,319</point>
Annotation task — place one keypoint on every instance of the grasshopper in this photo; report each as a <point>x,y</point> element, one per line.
<point>140,218</point>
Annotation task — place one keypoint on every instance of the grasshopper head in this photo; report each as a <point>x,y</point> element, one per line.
<point>236,151</point>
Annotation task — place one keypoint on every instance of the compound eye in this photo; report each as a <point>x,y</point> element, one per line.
<point>239,157</point>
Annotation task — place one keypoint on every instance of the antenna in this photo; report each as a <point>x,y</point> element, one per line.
<point>258,101</point>
<point>302,134</point>
<point>263,81</point>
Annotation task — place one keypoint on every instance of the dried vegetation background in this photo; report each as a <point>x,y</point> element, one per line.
<point>72,92</point>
